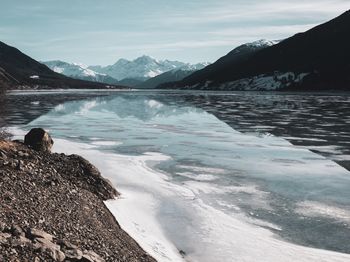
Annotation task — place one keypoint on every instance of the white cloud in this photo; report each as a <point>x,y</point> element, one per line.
<point>197,30</point>
<point>263,31</point>
<point>258,10</point>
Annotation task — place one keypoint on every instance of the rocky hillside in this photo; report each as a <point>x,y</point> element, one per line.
<point>318,59</point>
<point>52,208</point>
<point>18,70</point>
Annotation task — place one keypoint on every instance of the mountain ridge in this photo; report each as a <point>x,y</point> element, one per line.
<point>140,68</point>
<point>317,59</point>
<point>18,70</point>
<point>172,75</point>
<point>79,71</point>
<point>147,68</point>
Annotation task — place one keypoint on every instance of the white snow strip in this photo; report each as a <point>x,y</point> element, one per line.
<point>143,191</point>
<point>316,209</point>
<point>106,143</point>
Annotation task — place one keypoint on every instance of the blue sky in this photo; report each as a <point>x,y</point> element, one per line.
<point>100,32</point>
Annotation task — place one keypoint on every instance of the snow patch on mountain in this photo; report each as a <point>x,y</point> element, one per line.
<point>193,67</point>
<point>263,43</point>
<point>253,46</point>
<point>277,81</point>
<point>71,69</point>
<point>177,74</point>
<point>274,82</point>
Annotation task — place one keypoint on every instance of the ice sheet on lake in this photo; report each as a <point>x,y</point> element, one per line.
<point>215,235</point>
<point>170,199</point>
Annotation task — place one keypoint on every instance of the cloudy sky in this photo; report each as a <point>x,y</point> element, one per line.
<point>100,32</point>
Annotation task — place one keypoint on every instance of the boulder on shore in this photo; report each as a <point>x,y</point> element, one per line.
<point>39,140</point>
<point>52,209</point>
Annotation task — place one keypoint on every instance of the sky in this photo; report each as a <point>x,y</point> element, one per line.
<point>99,32</point>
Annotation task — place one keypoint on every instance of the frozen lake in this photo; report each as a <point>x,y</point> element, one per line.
<point>212,176</point>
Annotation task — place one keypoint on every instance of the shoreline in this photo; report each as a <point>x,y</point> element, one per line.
<point>132,209</point>
<point>145,225</point>
<point>271,248</point>
<point>61,197</point>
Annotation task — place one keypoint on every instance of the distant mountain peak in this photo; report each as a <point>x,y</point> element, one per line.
<point>145,60</point>
<point>120,61</point>
<point>80,65</point>
<point>317,59</point>
<point>141,68</point>
<point>254,46</point>
<point>263,43</point>
<point>78,71</point>
<point>18,70</point>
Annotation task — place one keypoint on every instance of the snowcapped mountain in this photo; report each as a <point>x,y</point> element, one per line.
<point>79,71</point>
<point>142,68</point>
<point>19,71</point>
<point>263,43</point>
<point>315,60</point>
<point>125,72</point>
<point>249,48</point>
<point>237,55</point>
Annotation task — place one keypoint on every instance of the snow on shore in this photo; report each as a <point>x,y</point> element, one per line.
<point>222,237</point>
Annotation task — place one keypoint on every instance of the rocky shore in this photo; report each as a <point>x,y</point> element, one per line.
<point>51,209</point>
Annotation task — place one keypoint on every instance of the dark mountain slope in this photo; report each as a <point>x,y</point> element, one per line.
<point>323,52</point>
<point>170,76</point>
<point>19,70</point>
<point>174,75</point>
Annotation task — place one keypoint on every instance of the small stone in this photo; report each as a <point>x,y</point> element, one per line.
<point>3,155</point>
<point>17,231</point>
<point>56,255</point>
<point>21,241</point>
<point>36,233</point>
<point>91,256</point>
<point>23,154</point>
<point>74,254</point>
<point>4,237</point>
<point>52,249</point>
<point>66,244</point>
<point>2,226</point>
<point>20,165</point>
<point>47,243</point>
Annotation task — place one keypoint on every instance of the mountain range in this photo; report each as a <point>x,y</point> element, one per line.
<point>130,73</point>
<point>79,71</point>
<point>318,59</point>
<point>141,68</point>
<point>18,70</point>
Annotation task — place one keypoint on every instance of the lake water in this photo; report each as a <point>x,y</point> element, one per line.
<point>210,176</point>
